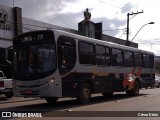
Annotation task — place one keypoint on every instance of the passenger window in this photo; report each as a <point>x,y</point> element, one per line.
<point>117,57</point>
<point>128,59</point>
<point>151,61</point>
<point>138,59</point>
<point>108,57</point>
<point>146,61</point>
<point>102,55</point>
<point>86,48</point>
<point>87,53</point>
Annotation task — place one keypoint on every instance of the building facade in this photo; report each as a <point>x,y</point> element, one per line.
<point>13,23</point>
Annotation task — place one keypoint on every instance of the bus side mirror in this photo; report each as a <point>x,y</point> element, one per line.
<point>4,77</point>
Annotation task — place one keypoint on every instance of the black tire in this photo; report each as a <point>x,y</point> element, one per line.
<point>129,92</point>
<point>108,94</point>
<point>51,100</point>
<point>85,94</point>
<point>146,87</point>
<point>152,86</point>
<point>134,91</point>
<point>9,95</point>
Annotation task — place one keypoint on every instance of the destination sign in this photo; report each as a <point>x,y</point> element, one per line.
<point>34,37</point>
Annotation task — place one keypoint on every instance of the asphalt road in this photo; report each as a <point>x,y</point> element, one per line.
<point>119,107</point>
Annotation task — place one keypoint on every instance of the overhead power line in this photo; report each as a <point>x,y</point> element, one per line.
<point>114,29</point>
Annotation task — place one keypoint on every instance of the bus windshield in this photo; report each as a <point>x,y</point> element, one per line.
<point>34,55</point>
<point>38,58</point>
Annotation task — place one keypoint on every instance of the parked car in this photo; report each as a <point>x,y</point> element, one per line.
<point>5,86</point>
<point>157,81</point>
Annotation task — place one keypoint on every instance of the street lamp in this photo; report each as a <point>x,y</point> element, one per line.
<point>136,13</point>
<point>140,29</point>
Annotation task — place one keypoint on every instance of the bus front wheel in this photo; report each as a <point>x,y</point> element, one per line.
<point>85,94</point>
<point>51,100</point>
<point>9,95</point>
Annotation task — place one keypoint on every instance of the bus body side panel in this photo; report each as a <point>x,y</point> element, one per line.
<point>71,84</point>
<point>117,79</point>
<point>147,78</point>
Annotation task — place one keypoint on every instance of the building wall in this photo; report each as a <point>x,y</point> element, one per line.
<point>118,41</point>
<point>6,26</point>
<point>6,35</point>
<point>31,25</point>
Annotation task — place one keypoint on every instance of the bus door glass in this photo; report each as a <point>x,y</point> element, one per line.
<point>66,54</point>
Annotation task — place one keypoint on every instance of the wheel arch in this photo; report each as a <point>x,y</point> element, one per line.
<point>138,79</point>
<point>90,83</point>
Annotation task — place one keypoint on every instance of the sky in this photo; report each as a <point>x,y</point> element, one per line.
<point>112,13</point>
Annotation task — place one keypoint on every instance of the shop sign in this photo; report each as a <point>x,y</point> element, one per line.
<point>3,20</point>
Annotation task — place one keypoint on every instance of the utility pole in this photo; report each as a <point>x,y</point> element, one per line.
<point>128,14</point>
<point>13,3</point>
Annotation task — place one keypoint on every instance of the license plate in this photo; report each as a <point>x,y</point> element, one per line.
<point>28,91</point>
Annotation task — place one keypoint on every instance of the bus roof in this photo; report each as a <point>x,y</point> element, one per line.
<point>100,42</point>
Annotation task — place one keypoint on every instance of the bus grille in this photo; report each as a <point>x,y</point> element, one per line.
<point>29,86</point>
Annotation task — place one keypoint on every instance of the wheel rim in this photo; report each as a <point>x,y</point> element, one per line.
<point>86,93</point>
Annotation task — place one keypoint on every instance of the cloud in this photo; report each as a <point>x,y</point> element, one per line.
<point>126,8</point>
<point>34,10</point>
<point>67,13</point>
<point>69,20</point>
<point>6,3</point>
<point>110,25</point>
<point>52,11</point>
<point>37,8</point>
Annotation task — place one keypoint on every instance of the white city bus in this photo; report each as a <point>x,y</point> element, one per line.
<point>52,64</point>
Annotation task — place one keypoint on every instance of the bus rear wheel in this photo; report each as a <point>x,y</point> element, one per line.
<point>85,94</point>
<point>51,100</point>
<point>135,90</point>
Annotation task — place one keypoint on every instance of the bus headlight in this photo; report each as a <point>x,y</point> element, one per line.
<point>48,83</point>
